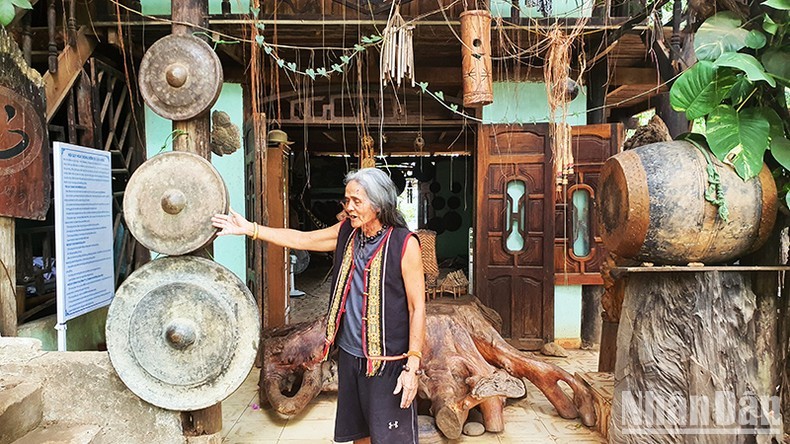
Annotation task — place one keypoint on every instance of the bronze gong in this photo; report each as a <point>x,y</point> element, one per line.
<point>183,332</point>
<point>180,77</point>
<point>169,202</point>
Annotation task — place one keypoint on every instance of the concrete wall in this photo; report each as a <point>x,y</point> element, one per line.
<point>560,8</point>
<point>162,7</point>
<point>527,102</point>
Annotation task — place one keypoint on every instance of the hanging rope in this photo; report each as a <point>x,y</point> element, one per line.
<point>555,74</point>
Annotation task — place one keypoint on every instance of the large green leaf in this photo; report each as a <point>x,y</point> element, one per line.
<point>780,149</point>
<point>719,34</point>
<point>24,4</point>
<point>777,63</point>
<point>769,25</point>
<point>7,12</point>
<point>755,39</point>
<point>700,89</point>
<point>747,63</point>
<point>738,138</point>
<point>777,130</point>
<point>778,4</point>
<point>741,90</point>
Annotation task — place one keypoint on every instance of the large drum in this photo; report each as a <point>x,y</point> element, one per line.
<point>183,332</point>
<point>653,207</point>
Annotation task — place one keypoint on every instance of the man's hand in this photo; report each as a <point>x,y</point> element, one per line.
<point>408,383</point>
<point>233,223</point>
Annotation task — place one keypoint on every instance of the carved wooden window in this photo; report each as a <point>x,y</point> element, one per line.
<point>515,215</point>
<point>581,204</point>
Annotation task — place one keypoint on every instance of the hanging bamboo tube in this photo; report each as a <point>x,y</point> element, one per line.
<point>476,58</point>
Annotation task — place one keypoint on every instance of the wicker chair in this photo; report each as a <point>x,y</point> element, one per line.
<point>429,264</point>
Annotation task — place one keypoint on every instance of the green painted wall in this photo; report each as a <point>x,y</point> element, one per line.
<point>229,251</point>
<point>560,8</point>
<point>568,311</point>
<point>527,102</point>
<point>84,333</point>
<point>162,7</point>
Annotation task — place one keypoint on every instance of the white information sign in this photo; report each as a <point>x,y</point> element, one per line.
<point>83,232</point>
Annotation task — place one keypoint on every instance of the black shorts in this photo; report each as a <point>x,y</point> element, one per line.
<point>367,407</point>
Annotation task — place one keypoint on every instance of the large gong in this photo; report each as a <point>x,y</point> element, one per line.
<point>182,332</point>
<point>169,202</point>
<point>180,77</point>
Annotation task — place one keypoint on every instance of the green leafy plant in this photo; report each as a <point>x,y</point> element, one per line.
<point>738,86</point>
<point>7,11</point>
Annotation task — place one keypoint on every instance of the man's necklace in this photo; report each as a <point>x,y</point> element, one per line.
<point>364,240</point>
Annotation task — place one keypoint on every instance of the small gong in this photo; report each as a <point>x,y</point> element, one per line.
<point>180,77</point>
<point>182,332</point>
<point>169,202</point>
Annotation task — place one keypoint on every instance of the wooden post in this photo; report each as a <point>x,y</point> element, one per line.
<point>596,91</point>
<point>276,292</point>
<point>7,277</point>
<point>591,316</point>
<point>209,420</point>
<point>689,349</point>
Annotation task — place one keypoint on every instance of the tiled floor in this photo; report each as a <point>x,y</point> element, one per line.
<point>529,420</point>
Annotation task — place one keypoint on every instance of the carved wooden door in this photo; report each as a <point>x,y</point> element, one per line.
<point>514,231</point>
<point>578,246</point>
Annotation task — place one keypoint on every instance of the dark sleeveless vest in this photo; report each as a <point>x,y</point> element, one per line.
<point>385,310</point>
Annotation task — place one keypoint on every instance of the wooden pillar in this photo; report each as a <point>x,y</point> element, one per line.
<point>591,316</point>
<point>209,420</point>
<point>7,281</point>
<point>689,359</point>
<point>597,87</point>
<point>676,122</point>
<point>276,292</point>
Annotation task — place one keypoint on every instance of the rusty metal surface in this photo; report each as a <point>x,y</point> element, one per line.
<point>183,332</point>
<point>180,77</point>
<point>682,226</point>
<point>169,202</point>
<point>24,145</point>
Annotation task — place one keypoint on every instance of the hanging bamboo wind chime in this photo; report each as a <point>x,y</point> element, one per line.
<point>555,74</point>
<point>397,50</point>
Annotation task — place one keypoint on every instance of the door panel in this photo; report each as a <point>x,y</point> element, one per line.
<point>592,145</point>
<point>516,282</point>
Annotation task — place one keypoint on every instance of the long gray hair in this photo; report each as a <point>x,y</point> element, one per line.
<point>382,194</point>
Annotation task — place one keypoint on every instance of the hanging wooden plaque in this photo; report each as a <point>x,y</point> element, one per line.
<point>24,145</point>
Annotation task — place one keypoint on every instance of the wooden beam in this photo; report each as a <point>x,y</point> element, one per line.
<point>70,63</point>
<point>7,277</point>
<point>635,76</point>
